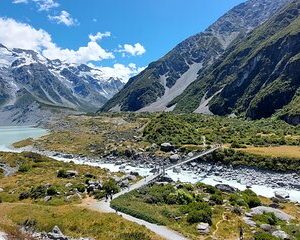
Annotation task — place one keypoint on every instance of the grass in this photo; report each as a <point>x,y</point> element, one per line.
<point>94,136</point>
<point>41,171</point>
<point>276,151</point>
<point>73,221</point>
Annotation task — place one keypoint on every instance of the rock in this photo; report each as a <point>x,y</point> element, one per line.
<point>69,185</point>
<point>266,227</point>
<point>278,213</point>
<point>203,228</point>
<point>3,236</point>
<point>47,198</point>
<point>71,173</point>
<point>167,147</point>
<point>56,234</point>
<point>226,188</point>
<point>281,235</point>
<point>190,154</point>
<point>282,194</point>
<point>174,158</point>
<point>1,190</point>
<point>249,221</point>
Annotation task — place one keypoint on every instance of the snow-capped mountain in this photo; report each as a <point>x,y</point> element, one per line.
<point>28,79</point>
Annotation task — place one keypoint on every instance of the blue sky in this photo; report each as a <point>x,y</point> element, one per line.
<point>157,25</point>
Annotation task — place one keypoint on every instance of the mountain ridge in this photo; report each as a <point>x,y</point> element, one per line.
<point>166,79</point>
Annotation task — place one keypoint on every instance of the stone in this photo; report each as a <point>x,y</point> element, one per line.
<point>56,234</point>
<point>249,221</point>
<point>167,147</point>
<point>190,154</point>
<point>174,158</point>
<point>203,228</point>
<point>281,235</point>
<point>71,173</point>
<point>47,198</point>
<point>1,190</point>
<point>278,213</point>
<point>69,185</point>
<point>282,194</point>
<point>266,227</point>
<point>226,188</point>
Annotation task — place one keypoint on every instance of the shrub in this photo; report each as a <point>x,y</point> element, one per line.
<point>199,216</point>
<point>264,236</point>
<point>51,191</point>
<point>217,199</point>
<point>111,186</point>
<point>24,195</point>
<point>62,173</point>
<point>80,188</point>
<point>268,218</point>
<point>24,168</point>
<point>99,194</point>
<point>184,197</point>
<point>38,192</point>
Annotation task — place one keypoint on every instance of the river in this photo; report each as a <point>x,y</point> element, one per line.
<point>9,135</point>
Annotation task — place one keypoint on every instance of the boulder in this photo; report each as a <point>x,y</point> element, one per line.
<point>190,154</point>
<point>226,188</point>
<point>266,227</point>
<point>167,147</point>
<point>281,235</point>
<point>249,221</point>
<point>69,185</point>
<point>282,194</point>
<point>203,228</point>
<point>1,190</point>
<point>56,234</point>
<point>71,173</point>
<point>278,213</point>
<point>174,158</point>
<point>47,198</point>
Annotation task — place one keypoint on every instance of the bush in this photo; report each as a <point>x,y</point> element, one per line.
<point>80,188</point>
<point>111,186</point>
<point>24,168</point>
<point>199,216</point>
<point>62,173</point>
<point>99,194</point>
<point>264,236</point>
<point>38,192</point>
<point>267,218</point>
<point>24,195</point>
<point>51,191</point>
<point>217,199</point>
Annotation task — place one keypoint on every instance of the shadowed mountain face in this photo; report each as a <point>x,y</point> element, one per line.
<point>256,78</point>
<point>162,83</point>
<point>29,81</point>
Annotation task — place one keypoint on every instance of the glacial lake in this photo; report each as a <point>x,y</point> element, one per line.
<point>11,134</point>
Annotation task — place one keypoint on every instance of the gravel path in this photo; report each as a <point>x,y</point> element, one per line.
<point>103,206</point>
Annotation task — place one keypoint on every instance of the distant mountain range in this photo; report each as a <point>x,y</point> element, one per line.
<point>32,87</point>
<point>245,64</point>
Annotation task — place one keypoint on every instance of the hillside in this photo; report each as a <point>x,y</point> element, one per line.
<point>167,78</point>
<point>255,78</point>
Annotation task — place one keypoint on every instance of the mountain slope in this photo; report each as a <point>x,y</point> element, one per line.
<point>29,81</point>
<point>166,79</point>
<point>256,77</point>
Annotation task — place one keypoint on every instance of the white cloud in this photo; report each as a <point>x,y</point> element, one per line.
<point>64,18</point>
<point>120,71</point>
<point>134,50</point>
<point>43,5</point>
<point>20,35</point>
<point>20,1</point>
<point>99,36</point>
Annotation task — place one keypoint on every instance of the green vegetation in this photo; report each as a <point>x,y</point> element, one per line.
<point>189,129</point>
<point>181,206</point>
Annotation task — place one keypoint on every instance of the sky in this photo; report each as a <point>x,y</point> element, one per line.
<point>120,37</point>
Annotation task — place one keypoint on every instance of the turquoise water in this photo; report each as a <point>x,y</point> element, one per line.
<point>10,135</point>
